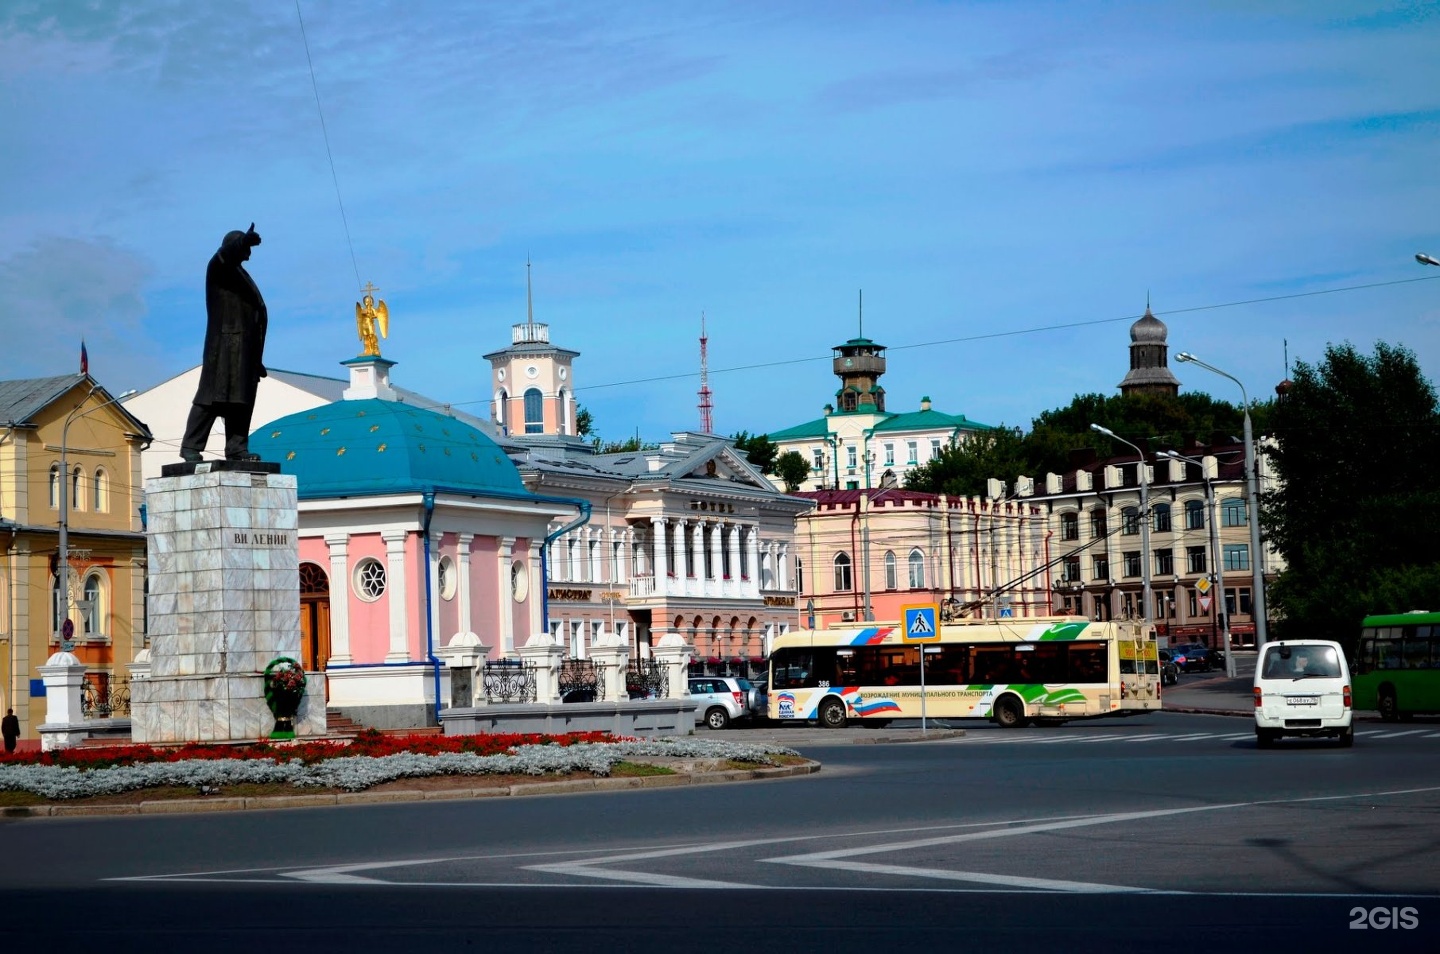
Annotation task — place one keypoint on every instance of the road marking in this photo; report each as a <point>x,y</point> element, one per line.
<point>1394,735</point>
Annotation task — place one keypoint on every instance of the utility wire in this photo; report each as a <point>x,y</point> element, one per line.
<point>328,154</point>
<point>1019,332</point>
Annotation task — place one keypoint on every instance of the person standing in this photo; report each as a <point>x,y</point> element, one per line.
<point>10,729</point>
<point>230,373</point>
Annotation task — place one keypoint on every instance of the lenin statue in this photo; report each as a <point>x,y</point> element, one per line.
<point>234,345</point>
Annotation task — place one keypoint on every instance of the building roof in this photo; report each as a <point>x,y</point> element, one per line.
<point>22,399</point>
<point>368,447</point>
<point>820,427</point>
<point>928,419</point>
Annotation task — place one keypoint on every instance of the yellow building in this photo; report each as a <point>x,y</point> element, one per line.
<point>69,478</point>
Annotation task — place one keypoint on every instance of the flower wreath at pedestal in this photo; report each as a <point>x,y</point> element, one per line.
<point>284,689</point>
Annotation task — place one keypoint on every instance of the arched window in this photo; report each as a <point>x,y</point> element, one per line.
<point>917,569</point>
<point>76,501</point>
<point>502,410</point>
<point>1130,521</point>
<point>842,572</point>
<point>54,486</point>
<point>563,412</point>
<point>1162,517</point>
<point>892,579</point>
<point>1194,515</point>
<point>92,607</point>
<point>101,491</point>
<point>534,412</point>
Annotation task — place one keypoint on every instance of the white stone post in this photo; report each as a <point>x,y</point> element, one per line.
<point>546,657</point>
<point>139,668</point>
<point>674,654</point>
<point>64,675</point>
<point>535,593</point>
<point>611,656</point>
<point>733,587</point>
<point>395,579</point>
<point>339,599</point>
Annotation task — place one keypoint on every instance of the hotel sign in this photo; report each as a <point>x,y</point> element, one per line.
<point>779,601</point>
<point>569,595</point>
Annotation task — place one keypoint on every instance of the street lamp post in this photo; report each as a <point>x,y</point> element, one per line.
<point>1252,493</point>
<point>62,564</point>
<point>1215,561</point>
<point>1144,522</point>
<point>1424,259</point>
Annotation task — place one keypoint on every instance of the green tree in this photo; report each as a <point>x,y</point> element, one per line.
<point>584,421</point>
<point>1358,462</point>
<point>963,469</point>
<point>758,449</point>
<point>792,468</point>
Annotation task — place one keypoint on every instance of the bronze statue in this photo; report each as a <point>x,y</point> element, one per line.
<point>372,321</point>
<point>234,346</point>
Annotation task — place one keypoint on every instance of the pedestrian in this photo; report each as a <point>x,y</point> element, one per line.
<point>10,729</point>
<point>230,373</point>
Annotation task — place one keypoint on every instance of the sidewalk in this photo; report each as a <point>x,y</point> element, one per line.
<point>1211,694</point>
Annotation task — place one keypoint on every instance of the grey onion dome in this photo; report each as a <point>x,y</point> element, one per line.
<point>1148,330</point>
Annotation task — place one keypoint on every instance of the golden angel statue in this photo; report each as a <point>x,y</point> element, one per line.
<point>372,320</point>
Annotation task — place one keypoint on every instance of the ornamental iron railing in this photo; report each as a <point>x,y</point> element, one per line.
<point>580,682</point>
<point>103,701</point>
<point>646,679</point>
<point>507,680</point>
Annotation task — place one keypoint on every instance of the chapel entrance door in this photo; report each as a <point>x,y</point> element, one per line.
<point>314,619</point>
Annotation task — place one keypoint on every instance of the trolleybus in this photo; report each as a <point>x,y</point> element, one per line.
<point>1014,671</point>
<point>1397,665</point>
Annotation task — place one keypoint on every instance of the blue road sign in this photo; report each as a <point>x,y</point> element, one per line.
<point>921,621</point>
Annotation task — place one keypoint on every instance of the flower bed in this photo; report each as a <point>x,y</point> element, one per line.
<point>370,760</point>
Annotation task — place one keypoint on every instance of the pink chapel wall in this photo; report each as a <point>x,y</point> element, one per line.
<point>369,622</point>
<point>485,591</point>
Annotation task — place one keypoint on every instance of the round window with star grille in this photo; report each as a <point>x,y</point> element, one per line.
<point>446,573</point>
<point>369,579</point>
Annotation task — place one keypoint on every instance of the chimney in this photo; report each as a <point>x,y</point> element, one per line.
<point>925,403</point>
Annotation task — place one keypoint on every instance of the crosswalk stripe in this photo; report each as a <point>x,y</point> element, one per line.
<point>1394,735</point>
<point>1101,738</point>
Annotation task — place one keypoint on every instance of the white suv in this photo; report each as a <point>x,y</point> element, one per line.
<point>719,700</point>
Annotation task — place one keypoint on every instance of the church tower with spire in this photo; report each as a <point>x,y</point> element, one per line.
<point>1149,359</point>
<point>531,380</point>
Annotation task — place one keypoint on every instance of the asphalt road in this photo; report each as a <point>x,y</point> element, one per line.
<point>1169,829</point>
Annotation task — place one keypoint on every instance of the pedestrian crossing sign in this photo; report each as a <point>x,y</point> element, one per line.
<point>921,622</point>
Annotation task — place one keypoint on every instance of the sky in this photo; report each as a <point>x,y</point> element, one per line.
<point>1005,183</point>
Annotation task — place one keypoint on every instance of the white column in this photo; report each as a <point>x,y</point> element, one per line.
<point>782,567</point>
<point>733,587</point>
<point>462,583</point>
<point>696,584</point>
<point>658,559</point>
<point>339,599</point>
<point>621,569</point>
<point>752,558</point>
<point>433,571</point>
<point>535,598</point>
<point>717,565</point>
<point>505,605</point>
<point>396,590</point>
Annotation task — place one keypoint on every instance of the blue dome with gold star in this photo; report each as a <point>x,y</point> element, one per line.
<point>359,448</point>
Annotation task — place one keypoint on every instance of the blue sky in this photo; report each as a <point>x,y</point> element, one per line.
<point>979,169</point>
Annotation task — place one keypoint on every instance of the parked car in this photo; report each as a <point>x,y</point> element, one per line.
<point>1192,657</point>
<point>1169,671</point>
<point>720,700</point>
<point>759,700</point>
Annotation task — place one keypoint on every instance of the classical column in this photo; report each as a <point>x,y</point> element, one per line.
<point>339,599</point>
<point>714,581</point>
<point>696,583</point>
<point>433,571</point>
<point>395,572</point>
<point>535,595</point>
<point>462,583</point>
<point>658,558</point>
<point>782,567</point>
<point>733,587</point>
<point>620,569</point>
<point>752,560</point>
<point>506,597</point>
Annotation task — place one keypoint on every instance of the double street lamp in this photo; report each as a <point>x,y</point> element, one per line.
<point>1252,493</point>
<point>62,565</point>
<point>1144,522</point>
<point>1219,574</point>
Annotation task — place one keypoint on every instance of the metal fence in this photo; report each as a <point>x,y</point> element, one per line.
<point>104,701</point>
<point>579,681</point>
<point>507,680</point>
<point>646,679</point>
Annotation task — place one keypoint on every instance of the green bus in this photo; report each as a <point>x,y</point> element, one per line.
<point>1397,666</point>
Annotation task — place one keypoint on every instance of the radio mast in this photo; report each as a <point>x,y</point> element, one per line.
<point>707,419</point>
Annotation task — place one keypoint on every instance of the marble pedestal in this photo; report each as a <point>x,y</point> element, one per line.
<point>224,600</point>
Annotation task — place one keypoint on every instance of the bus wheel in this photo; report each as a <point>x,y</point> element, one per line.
<point>1009,713</point>
<point>832,714</point>
<point>1389,707</point>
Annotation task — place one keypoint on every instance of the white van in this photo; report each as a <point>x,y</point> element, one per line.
<point>1302,687</point>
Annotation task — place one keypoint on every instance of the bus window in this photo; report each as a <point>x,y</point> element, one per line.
<point>793,669</point>
<point>1087,662</point>
<point>994,664</point>
<point>1366,660</point>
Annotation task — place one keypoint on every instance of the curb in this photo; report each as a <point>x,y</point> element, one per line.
<point>517,790</point>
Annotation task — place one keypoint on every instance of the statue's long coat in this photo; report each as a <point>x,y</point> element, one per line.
<point>234,330</point>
